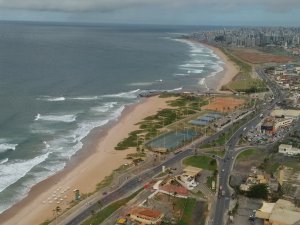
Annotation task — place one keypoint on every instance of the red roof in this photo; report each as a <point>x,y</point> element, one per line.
<point>173,188</point>
<point>144,212</point>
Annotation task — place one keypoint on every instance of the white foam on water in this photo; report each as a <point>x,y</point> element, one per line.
<point>75,137</point>
<point>7,146</point>
<point>129,94</point>
<point>66,118</point>
<point>104,108</point>
<point>2,161</point>
<point>202,82</point>
<point>195,71</point>
<point>46,144</point>
<point>175,89</point>
<point>84,98</point>
<point>193,65</point>
<point>12,172</point>
<point>217,69</point>
<point>141,84</point>
<point>51,99</point>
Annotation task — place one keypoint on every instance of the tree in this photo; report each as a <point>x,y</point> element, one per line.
<point>258,191</point>
<point>56,212</point>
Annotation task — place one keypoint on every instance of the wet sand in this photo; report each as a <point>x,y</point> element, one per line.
<point>88,167</point>
<point>224,77</point>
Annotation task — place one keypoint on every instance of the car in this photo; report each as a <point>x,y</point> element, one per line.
<point>223,170</point>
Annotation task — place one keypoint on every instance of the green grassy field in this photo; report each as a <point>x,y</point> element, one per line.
<point>186,218</point>
<point>182,107</point>
<point>99,217</point>
<point>246,154</point>
<point>243,81</point>
<point>203,162</point>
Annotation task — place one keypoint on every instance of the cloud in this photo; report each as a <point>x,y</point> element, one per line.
<point>113,5</point>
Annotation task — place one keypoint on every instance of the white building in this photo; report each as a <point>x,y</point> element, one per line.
<point>288,150</point>
<point>283,122</point>
<point>287,113</point>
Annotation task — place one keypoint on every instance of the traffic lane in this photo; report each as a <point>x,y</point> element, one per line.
<point>127,187</point>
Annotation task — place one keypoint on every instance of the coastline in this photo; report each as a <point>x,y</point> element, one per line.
<point>230,69</point>
<point>88,167</point>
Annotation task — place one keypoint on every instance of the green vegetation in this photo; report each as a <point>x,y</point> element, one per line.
<point>269,165</point>
<point>136,155</point>
<point>258,191</point>
<point>209,182</point>
<point>98,218</point>
<point>130,141</point>
<point>183,106</point>
<point>203,162</point>
<point>187,215</point>
<point>223,138</point>
<point>248,85</point>
<point>220,153</point>
<point>246,154</point>
<point>244,67</point>
<point>243,82</point>
<point>105,182</point>
<point>46,222</point>
<point>234,210</point>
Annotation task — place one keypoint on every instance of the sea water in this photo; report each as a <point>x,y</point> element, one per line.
<point>59,81</point>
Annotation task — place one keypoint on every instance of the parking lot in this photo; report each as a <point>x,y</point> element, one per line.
<point>245,209</point>
<point>255,137</point>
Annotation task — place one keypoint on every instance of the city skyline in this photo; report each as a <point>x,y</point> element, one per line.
<point>231,12</point>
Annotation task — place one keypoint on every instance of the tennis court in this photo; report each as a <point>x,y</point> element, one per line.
<point>172,140</point>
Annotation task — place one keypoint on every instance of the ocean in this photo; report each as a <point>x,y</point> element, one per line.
<point>59,81</point>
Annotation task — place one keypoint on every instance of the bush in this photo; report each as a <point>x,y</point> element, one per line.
<point>258,191</point>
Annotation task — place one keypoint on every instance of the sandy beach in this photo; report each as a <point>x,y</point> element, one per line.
<point>230,70</point>
<point>97,160</point>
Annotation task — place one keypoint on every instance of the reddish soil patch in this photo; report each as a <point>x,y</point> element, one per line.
<point>257,57</point>
<point>225,104</point>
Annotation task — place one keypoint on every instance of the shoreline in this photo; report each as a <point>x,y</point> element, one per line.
<point>230,69</point>
<point>87,167</point>
<point>98,149</point>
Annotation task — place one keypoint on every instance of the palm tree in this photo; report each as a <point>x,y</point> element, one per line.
<point>174,204</point>
<point>56,211</point>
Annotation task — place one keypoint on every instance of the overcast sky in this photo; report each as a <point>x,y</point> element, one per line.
<point>194,12</point>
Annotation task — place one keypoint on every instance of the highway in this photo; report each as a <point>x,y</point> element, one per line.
<point>222,203</point>
<point>131,185</point>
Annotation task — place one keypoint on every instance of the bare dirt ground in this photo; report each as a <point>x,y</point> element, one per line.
<point>256,57</point>
<point>225,104</point>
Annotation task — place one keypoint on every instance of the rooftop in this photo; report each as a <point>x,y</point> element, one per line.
<point>146,212</point>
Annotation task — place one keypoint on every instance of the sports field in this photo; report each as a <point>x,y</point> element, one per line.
<point>224,104</point>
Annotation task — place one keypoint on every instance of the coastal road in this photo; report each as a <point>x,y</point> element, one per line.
<point>134,183</point>
<point>223,200</point>
<point>129,187</point>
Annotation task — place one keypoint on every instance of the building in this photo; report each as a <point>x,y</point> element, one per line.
<point>282,212</point>
<point>146,216</point>
<point>282,122</point>
<point>288,150</point>
<point>253,180</point>
<point>286,113</point>
<point>268,126</point>
<point>192,171</point>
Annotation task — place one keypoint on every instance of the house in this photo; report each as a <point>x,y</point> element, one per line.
<point>146,216</point>
<point>192,171</point>
<point>288,150</point>
<point>170,186</point>
<point>282,212</point>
